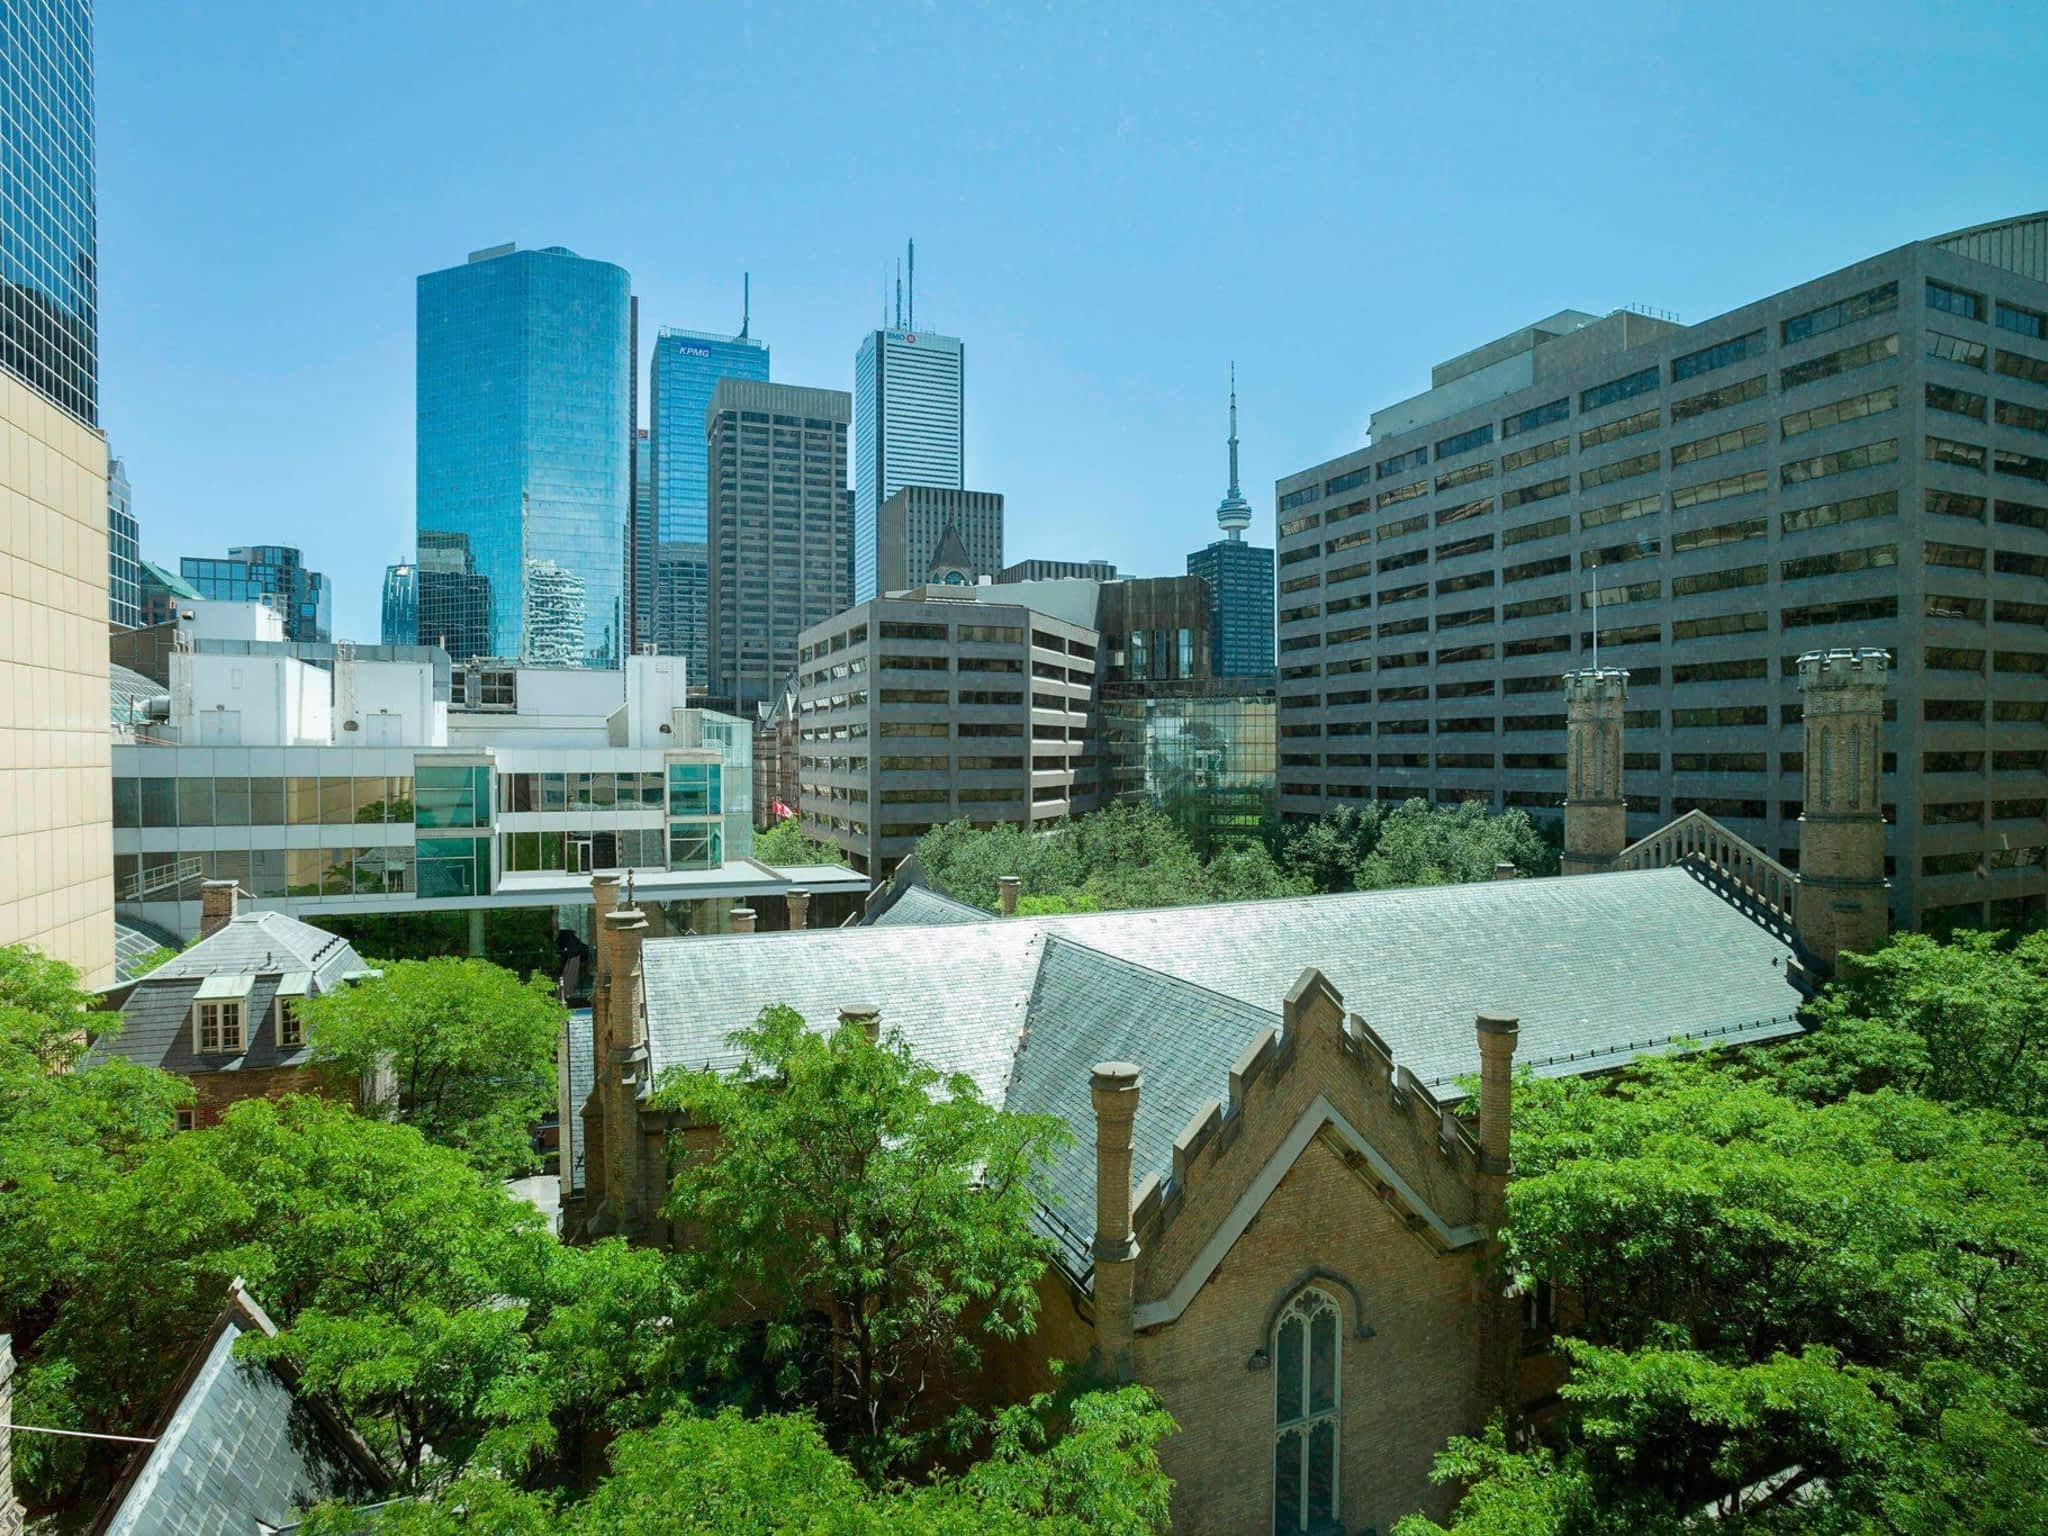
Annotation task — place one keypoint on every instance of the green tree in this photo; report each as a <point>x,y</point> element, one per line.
<point>1327,851</point>
<point>1420,846</point>
<point>1964,1021</point>
<point>1803,1316</point>
<point>471,1049</point>
<point>788,843</point>
<point>872,1221</point>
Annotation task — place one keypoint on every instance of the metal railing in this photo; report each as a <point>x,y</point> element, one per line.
<point>1697,839</point>
<point>165,877</point>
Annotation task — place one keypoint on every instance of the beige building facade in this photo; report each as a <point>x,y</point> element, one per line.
<point>56,823</point>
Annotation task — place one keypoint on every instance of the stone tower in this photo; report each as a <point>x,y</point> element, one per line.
<point>1595,816</point>
<point>1842,902</point>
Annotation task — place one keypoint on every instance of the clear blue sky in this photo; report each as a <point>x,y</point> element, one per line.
<point>1109,203</point>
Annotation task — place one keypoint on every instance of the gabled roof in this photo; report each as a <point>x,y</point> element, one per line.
<point>262,949</point>
<point>1599,968</point>
<point>923,906</point>
<point>239,1450</point>
<point>951,553</point>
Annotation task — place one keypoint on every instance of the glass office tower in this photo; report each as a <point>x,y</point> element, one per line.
<point>687,367</point>
<point>401,615</point>
<point>124,550</point>
<point>909,415</point>
<point>1240,578</point>
<point>525,449</point>
<point>273,573</point>
<point>49,296</point>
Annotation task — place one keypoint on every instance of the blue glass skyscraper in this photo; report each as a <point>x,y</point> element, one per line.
<point>124,550</point>
<point>401,615</point>
<point>687,367</point>
<point>49,286</point>
<point>267,573</point>
<point>525,448</point>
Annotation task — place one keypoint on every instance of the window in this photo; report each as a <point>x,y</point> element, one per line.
<point>1301,498</point>
<point>1307,1359</point>
<point>1840,462</point>
<point>1718,356</point>
<point>1541,491</point>
<point>291,1029</point>
<point>1715,400</point>
<point>1959,302</point>
<point>1722,533</point>
<point>1400,463</point>
<point>1621,469</point>
<point>695,789</point>
<point>1464,442</point>
<point>2028,418</point>
<point>217,1026</point>
<point>1853,509</point>
<point>2017,365</point>
<point>2024,322</point>
<point>1522,458</point>
<point>1337,485</point>
<point>1830,317</point>
<point>1465,475</point>
<point>1946,450</point>
<point>1836,412</point>
<point>1957,402</point>
<point>2004,461</point>
<point>1847,360</point>
<point>1955,349</point>
<point>1719,490</point>
<point>1541,416</point>
<point>1955,504</point>
<point>186,1120</point>
<point>1731,441</point>
<point>1618,389</point>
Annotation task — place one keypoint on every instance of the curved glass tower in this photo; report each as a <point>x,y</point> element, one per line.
<point>525,433</point>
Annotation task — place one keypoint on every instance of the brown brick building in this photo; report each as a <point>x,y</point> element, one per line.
<point>1272,1211</point>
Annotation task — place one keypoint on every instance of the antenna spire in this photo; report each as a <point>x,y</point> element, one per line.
<point>1233,427</point>
<point>899,295</point>
<point>913,283</point>
<point>746,302</point>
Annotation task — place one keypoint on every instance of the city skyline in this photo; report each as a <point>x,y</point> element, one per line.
<point>1114,319</point>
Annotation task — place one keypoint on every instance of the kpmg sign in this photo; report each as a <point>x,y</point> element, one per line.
<point>689,351</point>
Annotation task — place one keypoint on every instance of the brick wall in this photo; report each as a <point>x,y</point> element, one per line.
<point>216,1092</point>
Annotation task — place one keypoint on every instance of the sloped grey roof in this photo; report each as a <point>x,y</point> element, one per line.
<point>135,942</point>
<point>240,1453</point>
<point>922,905</point>
<point>156,1018</point>
<point>1088,1007</point>
<point>582,1078</point>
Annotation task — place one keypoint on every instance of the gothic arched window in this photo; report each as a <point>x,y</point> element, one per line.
<point>1307,1354</point>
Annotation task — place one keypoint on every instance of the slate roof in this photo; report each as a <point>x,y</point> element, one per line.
<point>582,1078</point>
<point>239,1452</point>
<point>1599,968</point>
<point>156,1029</point>
<point>921,905</point>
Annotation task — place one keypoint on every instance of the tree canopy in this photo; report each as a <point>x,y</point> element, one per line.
<point>873,1225</point>
<point>1806,1288</point>
<point>470,1046</point>
<point>788,843</point>
<point>1369,847</point>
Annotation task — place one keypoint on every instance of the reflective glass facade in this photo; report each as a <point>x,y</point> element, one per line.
<point>401,615</point>
<point>1240,578</point>
<point>273,573</point>
<point>687,367</point>
<point>1210,760</point>
<point>909,428</point>
<point>124,550</point>
<point>49,294</point>
<point>524,454</point>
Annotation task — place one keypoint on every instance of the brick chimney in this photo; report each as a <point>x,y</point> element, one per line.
<point>798,900</point>
<point>1007,887</point>
<point>1499,1313</point>
<point>625,1177</point>
<point>217,900</point>
<point>1842,903</point>
<point>742,919</point>
<point>1595,817</point>
<point>1504,869</point>
<point>11,1515</point>
<point>867,1017</point>
<point>1113,1086</point>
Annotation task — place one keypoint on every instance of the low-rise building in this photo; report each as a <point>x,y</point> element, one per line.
<point>224,1013</point>
<point>347,778</point>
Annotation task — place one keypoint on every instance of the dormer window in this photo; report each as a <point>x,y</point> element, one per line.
<point>218,1015</point>
<point>292,989</point>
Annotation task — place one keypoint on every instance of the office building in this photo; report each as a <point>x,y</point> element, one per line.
<point>909,429</point>
<point>913,523</point>
<point>1240,578</point>
<point>686,369</point>
<point>1864,455</point>
<point>454,597</point>
<point>401,609</point>
<point>55,891</point>
<point>160,592</point>
<point>1056,570</point>
<point>641,542</point>
<point>525,446</point>
<point>275,574</point>
<point>124,550</point>
<point>778,553</point>
<point>938,705</point>
<point>337,778</point>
